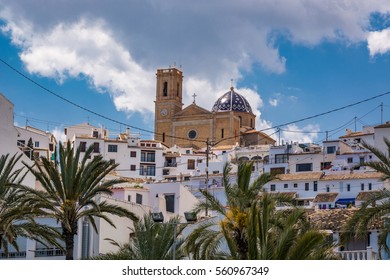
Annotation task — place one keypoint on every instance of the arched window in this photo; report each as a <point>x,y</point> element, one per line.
<point>222,133</point>
<point>240,120</point>
<point>163,137</point>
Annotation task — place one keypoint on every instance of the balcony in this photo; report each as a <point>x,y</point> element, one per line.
<point>39,253</point>
<point>13,255</point>
<point>170,164</point>
<point>358,254</point>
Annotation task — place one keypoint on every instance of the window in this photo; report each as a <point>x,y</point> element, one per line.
<point>295,185</point>
<point>148,156</point>
<point>222,133</point>
<point>315,186</point>
<point>112,148</point>
<point>133,154</point>
<point>96,148</point>
<point>178,89</point>
<point>165,89</point>
<point>129,198</point>
<point>272,188</point>
<point>361,160</point>
<point>51,147</point>
<point>170,202</point>
<point>192,134</point>
<point>285,186</point>
<point>83,146</point>
<point>132,167</point>
<point>326,165</point>
<point>369,186</point>
<point>304,167</point>
<point>191,164</point>
<point>349,160</point>
<point>112,161</point>
<point>330,150</point>
<point>327,189</point>
<point>138,198</point>
<point>362,186</point>
<point>95,134</point>
<point>147,170</point>
<point>282,158</point>
<point>306,186</point>
<point>36,144</point>
<point>163,137</point>
<point>348,187</point>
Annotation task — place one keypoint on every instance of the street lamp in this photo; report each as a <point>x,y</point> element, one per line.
<point>191,217</point>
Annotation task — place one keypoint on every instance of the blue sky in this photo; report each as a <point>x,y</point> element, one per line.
<point>290,59</point>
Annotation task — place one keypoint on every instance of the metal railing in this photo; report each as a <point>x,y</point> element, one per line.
<point>48,253</point>
<point>13,255</point>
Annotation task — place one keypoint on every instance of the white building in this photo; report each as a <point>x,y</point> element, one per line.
<point>43,143</point>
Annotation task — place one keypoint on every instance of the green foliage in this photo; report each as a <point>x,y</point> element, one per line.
<point>71,190</point>
<point>150,241</point>
<point>250,226</point>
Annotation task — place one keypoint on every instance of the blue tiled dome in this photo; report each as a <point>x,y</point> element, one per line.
<point>232,101</point>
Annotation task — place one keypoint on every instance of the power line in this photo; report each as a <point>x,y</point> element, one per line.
<point>172,136</point>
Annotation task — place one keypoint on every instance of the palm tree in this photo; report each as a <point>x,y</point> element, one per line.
<point>252,228</point>
<point>377,207</point>
<point>150,241</point>
<point>70,191</point>
<point>17,218</point>
<point>206,240</point>
<point>284,234</point>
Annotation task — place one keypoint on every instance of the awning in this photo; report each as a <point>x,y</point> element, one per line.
<point>346,201</point>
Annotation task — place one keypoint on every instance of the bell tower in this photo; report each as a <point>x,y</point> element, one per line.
<point>168,103</point>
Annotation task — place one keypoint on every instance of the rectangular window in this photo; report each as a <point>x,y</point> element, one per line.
<point>302,167</point>
<point>222,133</point>
<point>349,160</point>
<point>282,158</point>
<point>83,146</point>
<point>327,189</point>
<point>272,188</point>
<point>148,156</point>
<point>285,186</point>
<point>112,148</point>
<point>147,170</point>
<point>361,160</point>
<point>348,187</point>
<point>306,186</point>
<point>96,148</point>
<point>362,186</point>
<point>330,150</point>
<point>132,167</point>
<point>170,202</point>
<point>369,186</point>
<point>129,198</point>
<point>138,198</point>
<point>133,154</point>
<point>295,185</point>
<point>95,134</point>
<point>36,144</point>
<point>191,164</point>
<point>315,186</point>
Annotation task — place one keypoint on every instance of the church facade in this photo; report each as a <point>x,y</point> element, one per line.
<point>229,122</point>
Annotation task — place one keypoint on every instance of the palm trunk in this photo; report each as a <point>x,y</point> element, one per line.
<point>69,245</point>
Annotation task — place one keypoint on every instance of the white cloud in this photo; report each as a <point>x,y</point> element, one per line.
<point>273,102</point>
<point>379,42</point>
<point>306,134</point>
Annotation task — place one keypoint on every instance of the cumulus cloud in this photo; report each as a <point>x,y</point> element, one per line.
<point>379,42</point>
<point>306,134</point>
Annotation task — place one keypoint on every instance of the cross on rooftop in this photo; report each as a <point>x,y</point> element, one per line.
<point>194,95</point>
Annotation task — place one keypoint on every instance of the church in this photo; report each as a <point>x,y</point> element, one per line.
<point>230,121</point>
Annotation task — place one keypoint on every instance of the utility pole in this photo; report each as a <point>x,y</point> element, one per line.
<point>207,170</point>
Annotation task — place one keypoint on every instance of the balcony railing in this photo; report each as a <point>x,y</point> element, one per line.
<point>170,164</point>
<point>359,254</point>
<point>13,255</point>
<point>48,253</point>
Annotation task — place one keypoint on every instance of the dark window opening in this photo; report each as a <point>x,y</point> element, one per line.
<point>165,90</point>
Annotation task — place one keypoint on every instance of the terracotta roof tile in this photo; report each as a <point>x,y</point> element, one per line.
<point>326,197</point>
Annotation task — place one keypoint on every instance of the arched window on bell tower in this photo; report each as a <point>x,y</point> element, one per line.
<point>165,89</point>
<point>240,120</point>
<point>178,90</point>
